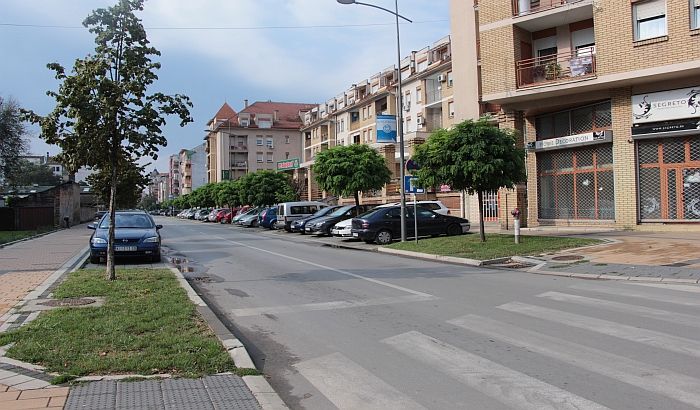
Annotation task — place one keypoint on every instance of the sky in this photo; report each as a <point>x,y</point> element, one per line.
<point>303,51</point>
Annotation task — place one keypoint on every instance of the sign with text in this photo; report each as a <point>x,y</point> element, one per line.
<point>570,141</point>
<point>386,128</point>
<point>286,164</point>
<point>410,185</point>
<point>666,105</point>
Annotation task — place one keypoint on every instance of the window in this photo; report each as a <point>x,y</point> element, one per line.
<point>286,155</point>
<point>408,125</point>
<point>269,142</point>
<point>364,113</point>
<point>695,14</point>
<point>407,99</point>
<point>364,136</point>
<point>449,78</point>
<point>286,139</point>
<point>649,19</point>
<point>546,47</point>
<point>451,108</point>
<point>370,132</point>
<point>260,157</point>
<point>259,140</point>
<point>264,124</point>
<point>342,125</point>
<point>419,96</point>
<point>369,111</point>
<point>270,157</point>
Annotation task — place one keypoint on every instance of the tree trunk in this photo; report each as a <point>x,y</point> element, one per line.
<point>482,234</point>
<point>357,203</point>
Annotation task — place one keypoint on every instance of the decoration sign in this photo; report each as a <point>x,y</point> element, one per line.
<point>666,105</point>
<point>292,163</point>
<point>588,138</point>
<point>386,128</point>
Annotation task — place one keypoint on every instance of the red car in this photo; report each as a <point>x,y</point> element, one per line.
<point>224,213</point>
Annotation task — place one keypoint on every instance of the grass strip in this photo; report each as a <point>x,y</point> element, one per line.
<point>146,326</point>
<point>496,245</point>
<point>11,236</point>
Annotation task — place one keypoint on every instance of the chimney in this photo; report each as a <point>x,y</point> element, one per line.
<point>277,115</point>
<point>245,104</point>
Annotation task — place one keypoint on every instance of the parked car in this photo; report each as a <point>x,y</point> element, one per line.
<point>324,224</point>
<point>299,225</point>
<point>343,228</point>
<point>251,219</point>
<point>289,212</point>
<point>268,218</point>
<point>100,214</point>
<point>203,214</point>
<point>212,215</point>
<point>242,213</point>
<point>135,235</point>
<point>226,218</point>
<point>220,215</point>
<point>383,224</point>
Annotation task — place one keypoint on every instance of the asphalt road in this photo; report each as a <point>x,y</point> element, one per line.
<point>349,329</point>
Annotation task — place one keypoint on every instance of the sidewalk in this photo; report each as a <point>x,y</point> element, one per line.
<point>30,270</point>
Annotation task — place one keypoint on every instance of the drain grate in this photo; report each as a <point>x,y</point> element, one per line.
<point>67,302</point>
<point>568,258</point>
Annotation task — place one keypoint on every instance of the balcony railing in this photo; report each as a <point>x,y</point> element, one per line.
<point>433,124</point>
<point>238,165</point>
<point>557,67</point>
<point>433,96</point>
<point>521,7</point>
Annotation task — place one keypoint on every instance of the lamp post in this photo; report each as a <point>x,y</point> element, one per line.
<point>399,106</point>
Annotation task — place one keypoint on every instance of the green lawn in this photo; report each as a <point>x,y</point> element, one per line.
<point>147,326</point>
<point>10,236</point>
<point>496,245</point>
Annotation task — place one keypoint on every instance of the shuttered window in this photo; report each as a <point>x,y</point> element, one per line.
<point>649,19</point>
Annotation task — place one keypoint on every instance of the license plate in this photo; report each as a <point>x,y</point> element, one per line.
<point>354,234</point>
<point>124,248</point>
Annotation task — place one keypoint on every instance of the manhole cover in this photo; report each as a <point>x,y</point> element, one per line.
<point>67,302</point>
<point>568,258</point>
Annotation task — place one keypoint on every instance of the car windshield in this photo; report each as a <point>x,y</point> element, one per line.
<point>127,221</point>
<point>325,211</point>
<point>340,211</point>
<point>371,212</point>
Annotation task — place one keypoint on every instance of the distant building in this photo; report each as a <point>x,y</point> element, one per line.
<point>193,168</point>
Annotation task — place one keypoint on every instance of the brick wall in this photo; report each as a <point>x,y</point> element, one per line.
<point>623,153</point>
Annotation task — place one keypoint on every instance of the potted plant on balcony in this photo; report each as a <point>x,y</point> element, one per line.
<point>553,70</point>
<point>538,73</point>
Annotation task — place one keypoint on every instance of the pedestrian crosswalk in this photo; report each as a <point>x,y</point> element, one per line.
<point>672,385</point>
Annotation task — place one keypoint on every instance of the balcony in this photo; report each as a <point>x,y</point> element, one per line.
<point>239,165</point>
<point>562,67</point>
<point>433,96</point>
<point>521,7</point>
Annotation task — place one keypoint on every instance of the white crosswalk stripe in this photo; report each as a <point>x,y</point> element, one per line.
<point>672,317</point>
<point>498,382</point>
<point>651,378</point>
<point>350,387</point>
<point>606,327</point>
<point>617,291</point>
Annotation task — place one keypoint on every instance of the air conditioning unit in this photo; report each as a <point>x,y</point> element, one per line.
<point>442,78</point>
<point>420,121</point>
<point>407,106</point>
<point>270,145</point>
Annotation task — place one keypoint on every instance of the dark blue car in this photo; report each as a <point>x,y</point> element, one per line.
<point>268,218</point>
<point>135,235</point>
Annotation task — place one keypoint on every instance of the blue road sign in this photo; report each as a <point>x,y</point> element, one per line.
<point>410,185</point>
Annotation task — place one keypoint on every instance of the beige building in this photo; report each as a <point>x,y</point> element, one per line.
<point>254,139</point>
<point>606,94</point>
<point>351,118</point>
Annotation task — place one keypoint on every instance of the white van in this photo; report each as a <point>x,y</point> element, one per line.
<point>291,211</point>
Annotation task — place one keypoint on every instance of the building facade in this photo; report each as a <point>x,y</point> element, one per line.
<point>606,95</point>
<point>254,139</point>
<point>193,168</point>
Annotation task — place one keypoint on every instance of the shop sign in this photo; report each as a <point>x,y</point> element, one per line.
<point>666,105</point>
<point>597,137</point>
<point>678,128</point>
<point>288,164</point>
<point>386,128</point>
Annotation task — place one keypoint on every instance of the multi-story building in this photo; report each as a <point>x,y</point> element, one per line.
<point>253,139</point>
<point>193,168</point>
<point>175,176</point>
<point>351,118</point>
<point>606,94</point>
<point>159,185</point>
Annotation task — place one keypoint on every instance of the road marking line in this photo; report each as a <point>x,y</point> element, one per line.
<point>679,318</point>
<point>651,378</point>
<point>505,385</point>
<point>309,307</point>
<point>379,282</point>
<point>618,291</point>
<point>625,332</point>
<point>349,386</point>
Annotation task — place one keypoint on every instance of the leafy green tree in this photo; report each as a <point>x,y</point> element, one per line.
<point>473,156</point>
<point>104,115</point>
<point>264,188</point>
<point>13,139</point>
<point>229,193</point>
<point>148,202</point>
<point>203,196</point>
<point>130,184</point>
<point>30,173</point>
<point>182,202</point>
<point>351,169</point>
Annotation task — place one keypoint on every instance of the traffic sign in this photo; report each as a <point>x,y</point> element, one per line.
<point>410,185</point>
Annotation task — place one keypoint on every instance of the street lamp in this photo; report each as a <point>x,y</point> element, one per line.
<point>399,106</point>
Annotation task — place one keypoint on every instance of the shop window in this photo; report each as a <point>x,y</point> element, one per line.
<point>578,121</point>
<point>674,150</point>
<point>581,120</point>
<point>649,19</point>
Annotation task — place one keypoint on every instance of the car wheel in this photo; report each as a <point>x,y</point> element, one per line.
<point>328,231</point>
<point>273,225</point>
<point>384,237</point>
<point>94,259</point>
<point>453,230</point>
<point>254,224</point>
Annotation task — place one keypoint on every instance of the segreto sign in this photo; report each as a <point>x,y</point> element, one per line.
<point>683,103</point>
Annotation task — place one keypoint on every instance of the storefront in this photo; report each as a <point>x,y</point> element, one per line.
<point>575,176</point>
<point>666,134</point>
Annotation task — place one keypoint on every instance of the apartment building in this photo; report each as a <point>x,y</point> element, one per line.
<point>193,168</point>
<point>351,118</point>
<point>606,94</point>
<point>174,176</point>
<point>254,139</point>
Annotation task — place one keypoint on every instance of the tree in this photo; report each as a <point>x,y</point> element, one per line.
<point>472,156</point>
<point>104,116</point>
<point>351,169</point>
<point>148,202</point>
<point>130,184</point>
<point>229,193</point>
<point>13,141</point>
<point>203,196</point>
<point>30,173</point>
<point>265,188</point>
